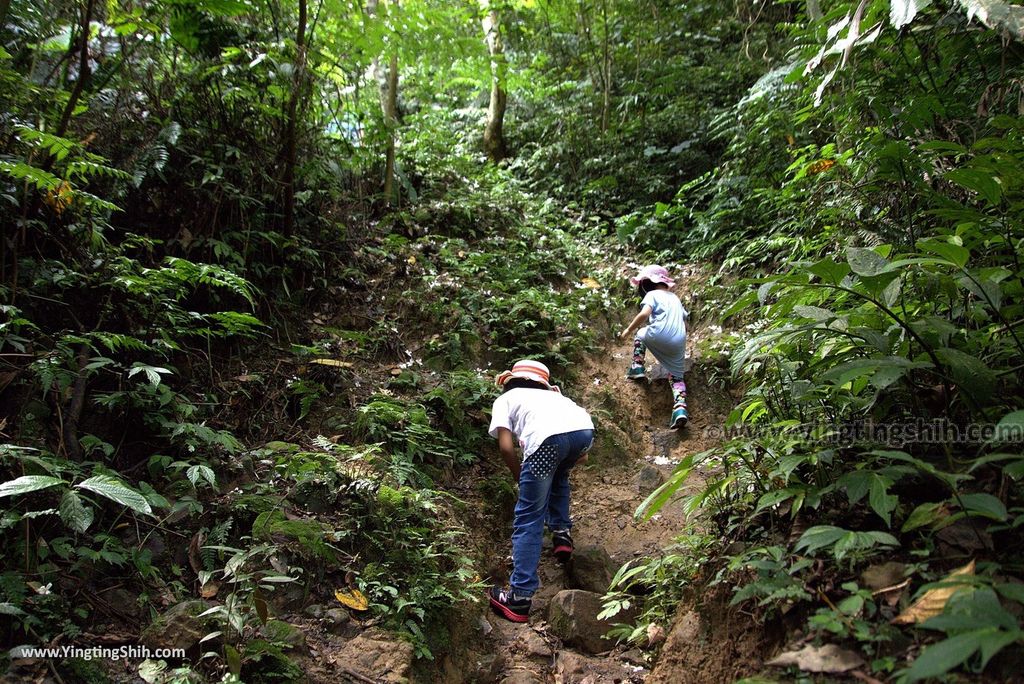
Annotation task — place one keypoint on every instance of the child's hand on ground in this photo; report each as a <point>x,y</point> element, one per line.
<point>624,335</point>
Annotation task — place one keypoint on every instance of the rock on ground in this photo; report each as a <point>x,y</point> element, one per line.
<point>572,617</point>
<point>522,677</point>
<point>179,626</point>
<point>575,668</point>
<point>648,479</point>
<point>375,655</point>
<point>535,645</point>
<point>591,569</point>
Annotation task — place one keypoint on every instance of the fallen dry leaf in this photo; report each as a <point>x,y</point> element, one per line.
<point>828,658</point>
<point>868,679</point>
<point>891,595</point>
<point>934,600</point>
<point>883,575</point>
<point>194,557</point>
<point>352,598</point>
<point>655,634</point>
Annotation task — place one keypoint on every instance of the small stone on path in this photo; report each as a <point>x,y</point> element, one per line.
<point>536,645</point>
<point>648,479</point>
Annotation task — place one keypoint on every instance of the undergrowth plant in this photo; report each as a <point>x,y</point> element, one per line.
<point>882,408</point>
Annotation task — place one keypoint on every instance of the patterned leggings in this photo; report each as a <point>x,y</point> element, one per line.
<point>678,386</point>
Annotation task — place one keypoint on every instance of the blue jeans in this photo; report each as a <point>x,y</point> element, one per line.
<point>543,497</point>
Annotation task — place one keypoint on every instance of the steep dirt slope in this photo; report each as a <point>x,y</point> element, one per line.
<point>634,452</point>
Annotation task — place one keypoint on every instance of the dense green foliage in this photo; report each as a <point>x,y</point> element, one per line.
<point>248,313</point>
<point>880,173</point>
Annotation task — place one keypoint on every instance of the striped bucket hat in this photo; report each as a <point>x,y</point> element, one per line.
<point>529,370</point>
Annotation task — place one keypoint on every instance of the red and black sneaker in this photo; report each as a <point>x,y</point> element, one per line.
<point>505,603</point>
<point>562,545</point>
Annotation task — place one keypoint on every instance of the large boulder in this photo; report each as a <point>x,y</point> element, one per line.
<point>377,656</point>
<point>591,569</point>
<point>179,626</point>
<point>572,617</point>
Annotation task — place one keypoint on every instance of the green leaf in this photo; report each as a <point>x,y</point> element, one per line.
<point>1010,428</point>
<point>197,472</point>
<point>115,490</point>
<point>925,514</point>
<point>28,483</point>
<point>969,372</point>
<point>815,313</point>
<point>152,372</point>
<point>954,254</point>
<point>1012,590</point>
<point>74,514</point>
<point>880,500</point>
<point>979,181</point>
<point>818,537</point>
<point>985,505</point>
<point>829,271</point>
<point>866,262</point>
<point>856,484</point>
<point>10,609</point>
<point>945,655</point>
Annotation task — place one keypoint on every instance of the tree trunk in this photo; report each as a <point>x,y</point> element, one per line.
<point>494,136</point>
<point>813,10</point>
<point>83,72</point>
<point>606,103</point>
<point>4,6</point>
<point>389,103</point>
<point>291,130</point>
<point>388,106</point>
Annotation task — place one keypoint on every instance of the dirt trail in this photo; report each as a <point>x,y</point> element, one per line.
<point>634,452</point>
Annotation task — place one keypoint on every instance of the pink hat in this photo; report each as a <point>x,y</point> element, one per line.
<point>654,273</point>
<point>529,370</point>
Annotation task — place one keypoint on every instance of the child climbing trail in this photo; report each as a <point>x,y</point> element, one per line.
<point>554,434</point>
<point>664,334</point>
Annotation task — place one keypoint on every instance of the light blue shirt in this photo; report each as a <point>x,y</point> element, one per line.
<point>665,333</point>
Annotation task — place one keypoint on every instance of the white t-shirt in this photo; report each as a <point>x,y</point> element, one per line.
<point>533,415</point>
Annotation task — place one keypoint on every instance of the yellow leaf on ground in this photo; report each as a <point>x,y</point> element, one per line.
<point>352,598</point>
<point>590,284</point>
<point>934,600</point>
<point>332,362</point>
